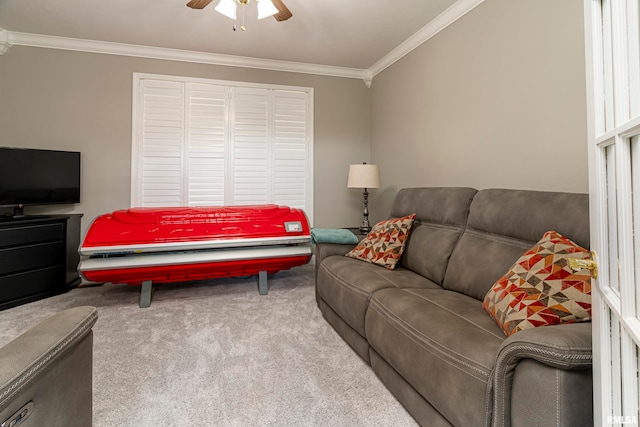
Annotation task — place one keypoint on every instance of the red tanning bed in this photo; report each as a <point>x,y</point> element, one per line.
<point>142,246</point>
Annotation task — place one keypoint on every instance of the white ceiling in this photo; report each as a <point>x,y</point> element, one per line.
<point>353,34</point>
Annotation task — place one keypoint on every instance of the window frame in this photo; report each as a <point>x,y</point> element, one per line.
<point>137,119</point>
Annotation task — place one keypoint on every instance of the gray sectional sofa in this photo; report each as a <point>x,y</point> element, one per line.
<point>422,327</point>
<point>46,374</point>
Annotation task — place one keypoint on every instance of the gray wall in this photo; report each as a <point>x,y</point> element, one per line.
<point>78,101</point>
<point>495,100</point>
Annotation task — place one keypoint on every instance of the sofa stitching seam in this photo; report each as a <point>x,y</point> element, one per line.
<point>542,355</point>
<point>488,403</point>
<point>373,270</point>
<point>345,283</point>
<point>501,337</point>
<point>486,235</point>
<point>463,230</point>
<point>61,345</point>
<point>377,273</point>
<point>557,398</point>
<point>378,306</point>
<point>451,227</point>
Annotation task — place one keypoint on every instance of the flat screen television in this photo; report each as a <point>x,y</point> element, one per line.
<point>38,177</point>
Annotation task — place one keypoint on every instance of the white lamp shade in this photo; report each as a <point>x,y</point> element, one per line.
<point>227,8</point>
<point>364,176</point>
<point>266,8</point>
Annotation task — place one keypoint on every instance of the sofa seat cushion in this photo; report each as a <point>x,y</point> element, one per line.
<point>442,342</point>
<point>346,285</point>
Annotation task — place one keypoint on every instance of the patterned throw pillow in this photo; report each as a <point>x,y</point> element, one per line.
<point>385,242</point>
<point>541,289</point>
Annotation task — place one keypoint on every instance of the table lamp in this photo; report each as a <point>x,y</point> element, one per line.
<point>364,176</point>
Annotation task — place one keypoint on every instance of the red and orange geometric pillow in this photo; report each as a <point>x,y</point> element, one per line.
<point>541,289</point>
<point>385,242</point>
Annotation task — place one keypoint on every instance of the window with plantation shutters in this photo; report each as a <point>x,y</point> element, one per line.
<point>200,142</point>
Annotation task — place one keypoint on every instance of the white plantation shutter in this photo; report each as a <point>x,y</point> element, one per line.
<point>291,129</point>
<point>251,163</point>
<point>206,144</point>
<point>199,142</point>
<point>160,143</point>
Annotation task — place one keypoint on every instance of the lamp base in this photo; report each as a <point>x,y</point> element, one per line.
<point>364,229</point>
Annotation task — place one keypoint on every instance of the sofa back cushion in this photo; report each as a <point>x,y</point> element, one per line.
<point>441,215</point>
<point>502,225</point>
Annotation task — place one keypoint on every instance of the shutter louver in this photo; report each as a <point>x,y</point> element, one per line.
<point>162,104</point>
<point>290,148</point>
<point>206,136</point>
<point>251,163</point>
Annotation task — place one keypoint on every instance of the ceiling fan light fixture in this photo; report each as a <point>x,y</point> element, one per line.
<point>266,8</point>
<point>227,8</point>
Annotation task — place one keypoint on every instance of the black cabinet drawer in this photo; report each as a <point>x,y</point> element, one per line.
<point>24,235</point>
<point>38,257</point>
<point>22,285</point>
<point>13,260</point>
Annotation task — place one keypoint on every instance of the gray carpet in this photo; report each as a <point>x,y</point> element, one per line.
<point>217,353</point>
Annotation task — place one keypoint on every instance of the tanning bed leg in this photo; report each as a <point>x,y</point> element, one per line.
<point>262,283</point>
<point>145,294</point>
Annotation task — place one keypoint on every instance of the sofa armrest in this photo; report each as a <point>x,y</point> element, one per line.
<point>324,250</point>
<point>563,348</point>
<point>51,366</point>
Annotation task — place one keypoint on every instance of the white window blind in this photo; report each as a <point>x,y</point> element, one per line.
<point>251,140</point>
<point>290,147</point>
<point>160,144</point>
<point>200,142</point>
<point>206,144</point>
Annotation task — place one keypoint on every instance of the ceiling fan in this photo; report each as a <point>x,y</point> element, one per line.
<point>275,8</point>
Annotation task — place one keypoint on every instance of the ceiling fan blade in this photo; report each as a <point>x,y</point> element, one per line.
<point>198,4</point>
<point>283,12</point>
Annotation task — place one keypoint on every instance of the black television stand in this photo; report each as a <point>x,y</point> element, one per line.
<point>38,257</point>
<point>12,218</point>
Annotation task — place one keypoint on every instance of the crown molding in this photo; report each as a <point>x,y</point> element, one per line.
<point>5,44</point>
<point>442,21</point>
<point>111,48</point>
<point>446,18</point>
